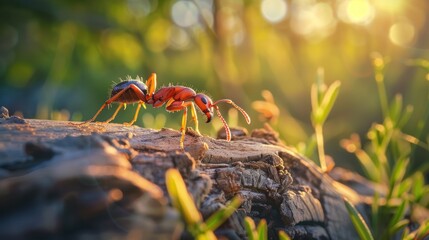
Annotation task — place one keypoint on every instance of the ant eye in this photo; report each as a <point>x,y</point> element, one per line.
<point>204,100</point>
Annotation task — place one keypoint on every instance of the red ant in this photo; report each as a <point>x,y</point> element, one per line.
<point>175,98</point>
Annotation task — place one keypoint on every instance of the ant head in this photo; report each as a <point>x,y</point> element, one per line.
<point>205,104</point>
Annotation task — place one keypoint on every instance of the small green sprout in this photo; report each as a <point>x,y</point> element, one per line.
<point>184,203</point>
<point>260,232</point>
<point>322,101</point>
<point>358,222</point>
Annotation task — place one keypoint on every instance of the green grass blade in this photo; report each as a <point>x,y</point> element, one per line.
<point>406,116</point>
<point>358,222</point>
<point>209,235</point>
<point>418,186</point>
<point>375,212</point>
<point>328,101</point>
<point>399,214</point>
<point>370,168</point>
<point>250,227</point>
<point>314,97</point>
<point>283,235</point>
<point>395,110</point>
<point>320,84</point>
<point>379,64</point>
<point>217,218</point>
<point>398,173</point>
<point>419,62</point>
<point>404,187</point>
<point>423,231</point>
<point>180,197</point>
<point>398,226</point>
<point>262,230</point>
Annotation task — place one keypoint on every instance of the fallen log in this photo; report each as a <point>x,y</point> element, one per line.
<point>98,180</point>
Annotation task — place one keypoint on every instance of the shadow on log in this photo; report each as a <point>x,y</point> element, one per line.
<point>108,181</point>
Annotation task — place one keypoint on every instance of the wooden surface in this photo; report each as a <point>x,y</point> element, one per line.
<point>107,180</point>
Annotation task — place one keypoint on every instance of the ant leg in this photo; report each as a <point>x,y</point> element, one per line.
<point>183,127</point>
<point>95,116</point>
<point>114,114</point>
<point>151,85</point>
<point>136,90</point>
<point>135,116</point>
<point>173,106</point>
<point>194,117</point>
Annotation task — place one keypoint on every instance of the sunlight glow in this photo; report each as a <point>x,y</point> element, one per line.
<point>356,11</point>
<point>392,6</point>
<point>156,36</point>
<point>178,38</point>
<point>314,21</point>
<point>236,28</point>
<point>206,10</point>
<point>141,8</point>
<point>401,33</point>
<point>184,13</point>
<point>274,10</point>
<point>231,26</point>
<point>124,46</point>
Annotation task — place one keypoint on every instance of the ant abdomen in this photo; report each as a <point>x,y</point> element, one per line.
<point>129,96</point>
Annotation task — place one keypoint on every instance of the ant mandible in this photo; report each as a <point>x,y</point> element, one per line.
<point>175,98</point>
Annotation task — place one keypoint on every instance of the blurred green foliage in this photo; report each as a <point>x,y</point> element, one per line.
<point>386,160</point>
<point>58,59</point>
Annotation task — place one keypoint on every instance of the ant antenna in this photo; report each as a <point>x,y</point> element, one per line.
<point>225,125</point>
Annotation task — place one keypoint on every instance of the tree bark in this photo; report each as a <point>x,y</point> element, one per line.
<point>59,179</point>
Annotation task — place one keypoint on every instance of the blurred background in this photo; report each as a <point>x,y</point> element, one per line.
<point>59,59</point>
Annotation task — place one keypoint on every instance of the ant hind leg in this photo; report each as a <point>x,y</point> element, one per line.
<point>114,114</point>
<point>95,116</point>
<point>135,116</point>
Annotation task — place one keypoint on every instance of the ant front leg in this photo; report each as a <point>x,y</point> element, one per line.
<point>194,117</point>
<point>183,127</point>
<point>180,105</point>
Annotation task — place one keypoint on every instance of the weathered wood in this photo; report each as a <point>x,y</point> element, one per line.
<point>107,180</point>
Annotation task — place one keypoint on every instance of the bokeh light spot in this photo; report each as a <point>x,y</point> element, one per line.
<point>356,11</point>
<point>315,21</point>
<point>206,11</point>
<point>184,13</point>
<point>274,10</point>
<point>123,46</point>
<point>178,38</point>
<point>116,194</point>
<point>401,33</point>
<point>141,8</point>
<point>231,26</point>
<point>157,35</point>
